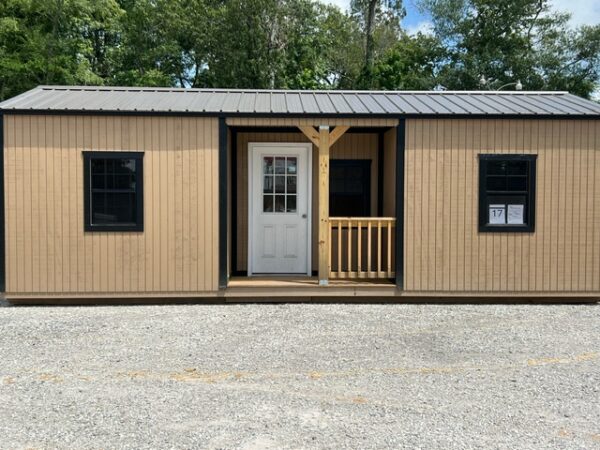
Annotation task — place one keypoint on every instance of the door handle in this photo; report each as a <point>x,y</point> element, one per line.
<point>304,216</point>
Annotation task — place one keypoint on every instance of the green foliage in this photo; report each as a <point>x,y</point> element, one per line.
<point>514,40</point>
<point>410,64</point>
<point>379,21</point>
<point>54,42</point>
<point>295,44</point>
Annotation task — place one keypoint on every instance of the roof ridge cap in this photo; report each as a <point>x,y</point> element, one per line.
<point>307,91</point>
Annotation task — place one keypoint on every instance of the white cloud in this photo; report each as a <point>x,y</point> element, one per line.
<point>584,12</point>
<point>424,27</point>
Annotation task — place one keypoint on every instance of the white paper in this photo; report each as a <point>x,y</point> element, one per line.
<point>497,214</point>
<point>515,214</point>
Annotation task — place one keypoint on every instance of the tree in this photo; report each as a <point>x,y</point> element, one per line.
<point>570,61</point>
<point>376,15</point>
<point>274,44</point>
<point>299,44</point>
<point>54,42</point>
<point>410,64</point>
<point>514,40</point>
<point>149,54</point>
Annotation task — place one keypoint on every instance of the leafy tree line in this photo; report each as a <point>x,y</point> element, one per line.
<point>295,44</point>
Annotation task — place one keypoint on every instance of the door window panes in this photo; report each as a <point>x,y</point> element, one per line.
<point>280,177</point>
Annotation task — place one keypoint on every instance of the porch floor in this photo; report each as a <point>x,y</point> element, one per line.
<point>304,286</point>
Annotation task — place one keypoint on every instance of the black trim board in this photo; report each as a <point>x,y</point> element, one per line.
<point>223,181</point>
<point>84,112</point>
<point>2,215</point>
<point>234,202</point>
<point>400,151</point>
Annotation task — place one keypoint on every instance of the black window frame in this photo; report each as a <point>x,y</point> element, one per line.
<point>529,194</point>
<point>88,156</point>
<point>365,165</point>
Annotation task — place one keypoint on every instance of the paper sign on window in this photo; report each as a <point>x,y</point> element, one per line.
<point>497,214</point>
<point>515,214</point>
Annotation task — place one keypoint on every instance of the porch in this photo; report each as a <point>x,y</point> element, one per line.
<point>346,252</point>
<point>307,287</point>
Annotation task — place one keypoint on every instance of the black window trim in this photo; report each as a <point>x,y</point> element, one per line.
<point>139,157</point>
<point>529,227</point>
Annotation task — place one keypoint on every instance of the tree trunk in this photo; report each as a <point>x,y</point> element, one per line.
<point>369,50</point>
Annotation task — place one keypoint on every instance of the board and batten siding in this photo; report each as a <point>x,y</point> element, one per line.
<point>445,253</point>
<point>48,252</point>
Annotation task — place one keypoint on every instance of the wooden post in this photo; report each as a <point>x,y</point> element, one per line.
<point>323,205</point>
<point>323,140</point>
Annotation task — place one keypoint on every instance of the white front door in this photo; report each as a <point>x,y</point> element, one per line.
<point>279,208</point>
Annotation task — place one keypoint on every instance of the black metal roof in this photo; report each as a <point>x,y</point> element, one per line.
<point>290,102</point>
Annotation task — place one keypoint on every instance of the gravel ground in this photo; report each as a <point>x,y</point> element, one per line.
<point>300,376</point>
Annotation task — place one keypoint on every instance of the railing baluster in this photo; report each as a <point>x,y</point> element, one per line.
<point>349,248</point>
<point>339,248</point>
<point>369,240</point>
<point>378,248</point>
<point>389,248</point>
<point>359,250</point>
<point>329,250</point>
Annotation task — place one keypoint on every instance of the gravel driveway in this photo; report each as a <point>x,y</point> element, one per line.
<point>300,376</point>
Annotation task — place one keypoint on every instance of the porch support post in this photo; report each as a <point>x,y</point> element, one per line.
<point>323,205</point>
<point>323,140</point>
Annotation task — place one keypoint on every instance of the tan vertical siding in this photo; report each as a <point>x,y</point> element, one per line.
<point>444,250</point>
<point>48,253</point>
<point>350,146</point>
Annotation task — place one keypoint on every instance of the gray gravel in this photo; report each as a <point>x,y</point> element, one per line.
<point>300,376</point>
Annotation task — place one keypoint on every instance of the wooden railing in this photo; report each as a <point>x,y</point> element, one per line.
<point>361,247</point>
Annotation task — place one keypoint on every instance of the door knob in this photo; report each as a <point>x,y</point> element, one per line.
<point>304,216</point>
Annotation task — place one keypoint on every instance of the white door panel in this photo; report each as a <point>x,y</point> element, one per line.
<point>279,216</point>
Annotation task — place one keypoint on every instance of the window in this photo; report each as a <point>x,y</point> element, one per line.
<point>280,175</point>
<point>349,188</point>
<point>507,192</point>
<point>113,185</point>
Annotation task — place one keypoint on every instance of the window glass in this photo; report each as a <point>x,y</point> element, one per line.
<point>114,192</point>
<point>507,196</point>
<point>283,184</point>
<point>268,203</point>
<point>280,203</point>
<point>291,185</point>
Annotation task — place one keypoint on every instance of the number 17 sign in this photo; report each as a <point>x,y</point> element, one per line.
<point>497,214</point>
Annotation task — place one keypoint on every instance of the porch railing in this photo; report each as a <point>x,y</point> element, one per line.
<point>361,247</point>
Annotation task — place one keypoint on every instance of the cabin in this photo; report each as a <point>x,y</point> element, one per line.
<point>227,195</point>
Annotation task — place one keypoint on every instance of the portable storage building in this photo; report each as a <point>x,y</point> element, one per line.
<point>186,193</point>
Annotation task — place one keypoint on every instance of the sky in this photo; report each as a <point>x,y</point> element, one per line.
<point>584,12</point>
